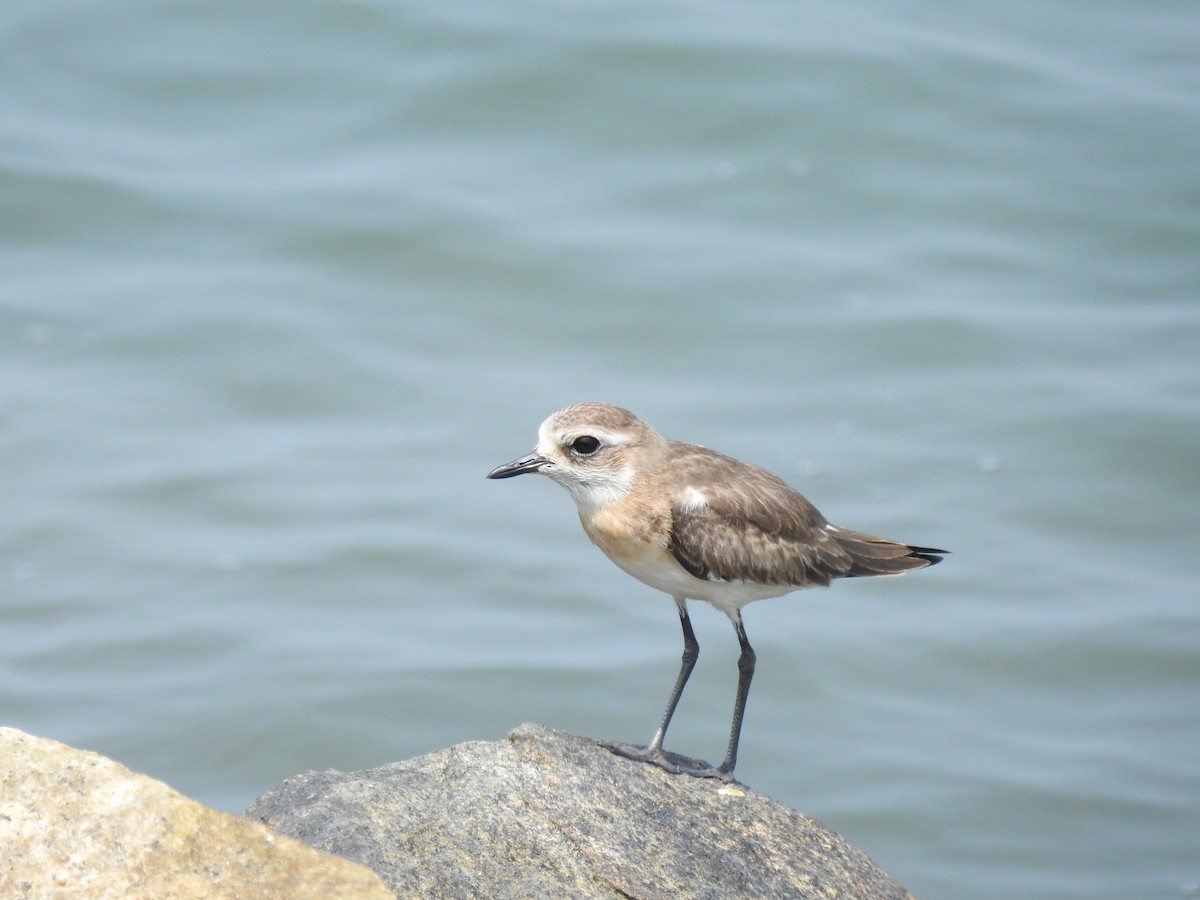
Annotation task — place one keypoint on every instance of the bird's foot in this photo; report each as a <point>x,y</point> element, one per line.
<point>669,762</point>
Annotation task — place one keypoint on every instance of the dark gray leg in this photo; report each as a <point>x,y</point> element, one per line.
<point>745,674</point>
<point>691,652</point>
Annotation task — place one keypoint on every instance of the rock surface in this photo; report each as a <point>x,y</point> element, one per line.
<point>549,814</point>
<point>75,824</point>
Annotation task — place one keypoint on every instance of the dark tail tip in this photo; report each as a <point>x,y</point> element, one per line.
<point>931,555</point>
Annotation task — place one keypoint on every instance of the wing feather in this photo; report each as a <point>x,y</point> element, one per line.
<point>750,526</point>
<point>731,521</point>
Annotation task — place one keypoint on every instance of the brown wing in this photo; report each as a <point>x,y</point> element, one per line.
<point>880,556</point>
<point>751,526</point>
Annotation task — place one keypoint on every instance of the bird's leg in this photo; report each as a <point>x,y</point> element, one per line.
<point>653,753</point>
<point>745,674</point>
<point>691,652</point>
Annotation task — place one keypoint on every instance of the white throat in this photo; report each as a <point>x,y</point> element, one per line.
<point>593,491</point>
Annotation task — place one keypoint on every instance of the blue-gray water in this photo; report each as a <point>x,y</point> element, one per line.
<point>283,281</point>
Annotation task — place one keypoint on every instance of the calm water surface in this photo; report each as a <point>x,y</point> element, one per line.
<point>282,283</point>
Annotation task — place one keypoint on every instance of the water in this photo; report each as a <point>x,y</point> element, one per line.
<point>282,282</point>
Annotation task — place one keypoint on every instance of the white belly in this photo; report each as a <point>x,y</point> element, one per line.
<point>661,571</point>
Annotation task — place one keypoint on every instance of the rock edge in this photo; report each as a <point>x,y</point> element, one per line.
<point>545,813</point>
<point>74,823</point>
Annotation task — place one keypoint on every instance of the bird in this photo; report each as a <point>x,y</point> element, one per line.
<point>698,525</point>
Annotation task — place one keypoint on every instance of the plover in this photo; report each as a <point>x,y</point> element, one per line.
<point>698,525</point>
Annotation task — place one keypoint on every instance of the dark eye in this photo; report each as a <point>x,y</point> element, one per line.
<point>585,445</point>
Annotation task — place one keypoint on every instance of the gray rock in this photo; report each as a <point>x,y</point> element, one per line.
<point>75,824</point>
<point>549,814</point>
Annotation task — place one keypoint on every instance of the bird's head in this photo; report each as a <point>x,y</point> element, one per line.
<point>594,450</point>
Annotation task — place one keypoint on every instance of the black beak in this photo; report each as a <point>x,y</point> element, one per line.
<point>530,463</point>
